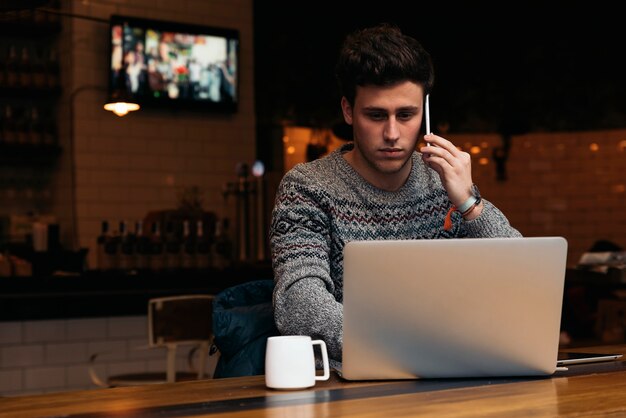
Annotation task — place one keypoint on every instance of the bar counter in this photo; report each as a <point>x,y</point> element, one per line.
<point>113,293</point>
<point>596,389</point>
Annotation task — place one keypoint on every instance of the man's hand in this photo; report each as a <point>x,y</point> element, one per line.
<point>453,166</point>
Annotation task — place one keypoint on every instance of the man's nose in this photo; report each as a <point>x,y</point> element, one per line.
<point>391,131</point>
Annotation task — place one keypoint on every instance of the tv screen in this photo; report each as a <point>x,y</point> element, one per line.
<point>159,63</point>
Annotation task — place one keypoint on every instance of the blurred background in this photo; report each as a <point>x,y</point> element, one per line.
<point>521,67</point>
<point>99,212</point>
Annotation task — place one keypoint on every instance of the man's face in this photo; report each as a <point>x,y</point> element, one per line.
<point>386,122</point>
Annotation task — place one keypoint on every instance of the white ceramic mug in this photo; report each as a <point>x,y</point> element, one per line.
<point>290,362</point>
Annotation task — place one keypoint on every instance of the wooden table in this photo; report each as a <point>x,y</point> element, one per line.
<point>594,389</point>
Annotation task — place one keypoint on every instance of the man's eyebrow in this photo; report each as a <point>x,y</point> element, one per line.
<point>400,109</point>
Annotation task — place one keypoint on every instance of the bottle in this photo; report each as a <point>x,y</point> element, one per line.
<point>2,141</point>
<point>112,251</point>
<point>22,126</point>
<point>39,71</point>
<point>223,248</point>
<point>103,238</point>
<point>142,248</point>
<point>127,248</point>
<point>203,247</point>
<point>172,247</point>
<point>9,130</point>
<point>35,130</point>
<point>156,248</point>
<point>188,258</point>
<point>3,67</point>
<point>48,129</point>
<point>25,70</point>
<point>52,69</point>
<point>12,67</point>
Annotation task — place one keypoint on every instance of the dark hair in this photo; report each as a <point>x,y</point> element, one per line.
<point>382,55</point>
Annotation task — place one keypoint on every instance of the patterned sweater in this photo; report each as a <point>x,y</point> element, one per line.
<point>322,205</point>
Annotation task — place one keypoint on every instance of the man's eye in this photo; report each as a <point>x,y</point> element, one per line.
<point>377,116</point>
<point>405,115</point>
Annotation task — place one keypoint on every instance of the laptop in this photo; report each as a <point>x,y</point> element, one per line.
<point>452,308</point>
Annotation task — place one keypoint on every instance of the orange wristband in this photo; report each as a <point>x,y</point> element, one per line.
<point>447,223</point>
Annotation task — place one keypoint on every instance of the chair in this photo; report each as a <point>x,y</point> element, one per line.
<point>172,321</point>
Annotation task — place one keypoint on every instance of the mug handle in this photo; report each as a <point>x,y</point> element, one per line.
<point>326,374</point>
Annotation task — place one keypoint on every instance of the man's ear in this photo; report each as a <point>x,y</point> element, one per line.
<point>346,109</point>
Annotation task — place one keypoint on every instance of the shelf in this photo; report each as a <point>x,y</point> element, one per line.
<point>29,29</point>
<point>28,153</point>
<point>29,93</point>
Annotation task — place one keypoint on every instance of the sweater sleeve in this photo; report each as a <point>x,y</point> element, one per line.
<point>304,293</point>
<point>491,223</point>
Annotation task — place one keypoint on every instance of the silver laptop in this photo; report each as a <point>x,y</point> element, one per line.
<point>448,308</point>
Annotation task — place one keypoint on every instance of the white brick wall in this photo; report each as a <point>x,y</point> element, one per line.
<point>10,380</point>
<point>39,331</point>
<point>126,167</point>
<point>22,355</point>
<point>43,378</point>
<point>560,184</point>
<point>85,329</point>
<point>571,184</point>
<point>59,359</point>
<point>50,356</point>
<point>11,333</point>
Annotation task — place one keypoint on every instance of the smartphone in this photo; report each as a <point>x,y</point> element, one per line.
<point>427,114</point>
<point>566,358</point>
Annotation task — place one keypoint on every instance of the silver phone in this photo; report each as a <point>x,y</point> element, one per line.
<point>566,358</point>
<point>427,114</point>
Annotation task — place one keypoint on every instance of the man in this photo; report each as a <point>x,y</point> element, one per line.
<point>377,187</point>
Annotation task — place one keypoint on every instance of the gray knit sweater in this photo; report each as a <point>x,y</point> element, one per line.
<point>322,205</point>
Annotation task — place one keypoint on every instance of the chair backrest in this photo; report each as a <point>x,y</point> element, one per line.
<point>175,320</point>
<point>172,321</point>
<point>180,319</point>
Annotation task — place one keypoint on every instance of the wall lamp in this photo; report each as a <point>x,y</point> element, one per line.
<point>119,102</point>
<point>121,108</point>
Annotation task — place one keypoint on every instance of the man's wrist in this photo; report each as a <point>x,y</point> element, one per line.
<point>465,206</point>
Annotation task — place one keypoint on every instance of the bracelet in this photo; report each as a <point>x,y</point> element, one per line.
<point>474,201</point>
<point>471,208</point>
<point>465,206</point>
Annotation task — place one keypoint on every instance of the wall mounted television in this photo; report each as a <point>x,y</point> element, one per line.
<point>174,65</point>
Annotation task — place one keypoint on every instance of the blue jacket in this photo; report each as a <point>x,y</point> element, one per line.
<point>243,318</point>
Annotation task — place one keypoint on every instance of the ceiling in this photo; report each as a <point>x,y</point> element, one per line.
<point>512,68</point>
